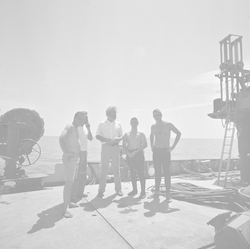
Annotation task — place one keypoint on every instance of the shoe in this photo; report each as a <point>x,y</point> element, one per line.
<point>73,200</point>
<point>133,192</point>
<point>73,205</point>
<point>78,198</point>
<point>168,198</point>
<point>154,195</point>
<point>82,196</point>
<point>142,195</point>
<point>119,193</point>
<point>100,194</point>
<point>67,214</point>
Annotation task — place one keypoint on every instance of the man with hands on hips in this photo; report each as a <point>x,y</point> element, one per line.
<point>160,145</point>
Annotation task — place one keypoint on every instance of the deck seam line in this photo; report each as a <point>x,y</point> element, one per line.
<point>109,224</point>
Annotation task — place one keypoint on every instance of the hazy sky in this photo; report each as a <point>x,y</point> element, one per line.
<point>58,57</point>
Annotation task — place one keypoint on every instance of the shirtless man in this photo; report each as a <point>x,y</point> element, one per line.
<point>160,145</point>
<point>134,142</point>
<point>69,143</point>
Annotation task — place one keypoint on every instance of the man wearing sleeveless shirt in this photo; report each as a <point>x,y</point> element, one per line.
<point>160,145</point>
<point>134,142</point>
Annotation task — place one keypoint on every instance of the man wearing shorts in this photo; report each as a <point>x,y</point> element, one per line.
<point>134,142</point>
<point>160,145</point>
<point>69,143</point>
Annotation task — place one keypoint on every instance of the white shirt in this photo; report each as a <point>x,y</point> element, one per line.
<point>83,140</point>
<point>109,129</point>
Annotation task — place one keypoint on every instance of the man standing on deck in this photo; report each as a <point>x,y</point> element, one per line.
<point>69,143</point>
<point>160,145</point>
<point>80,182</point>
<point>243,128</point>
<point>134,142</point>
<point>109,132</point>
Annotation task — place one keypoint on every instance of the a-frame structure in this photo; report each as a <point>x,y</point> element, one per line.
<point>234,101</point>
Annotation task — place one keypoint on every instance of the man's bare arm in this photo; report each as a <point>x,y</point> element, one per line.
<point>177,138</point>
<point>152,138</point>
<point>104,140</point>
<point>101,138</point>
<point>90,137</point>
<point>62,139</point>
<point>143,142</point>
<point>118,139</point>
<point>124,144</point>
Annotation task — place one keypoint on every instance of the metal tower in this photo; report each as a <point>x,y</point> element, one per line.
<point>234,101</point>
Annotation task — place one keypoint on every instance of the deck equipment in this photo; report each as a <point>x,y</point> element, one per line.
<point>231,231</point>
<point>234,101</point>
<point>20,130</point>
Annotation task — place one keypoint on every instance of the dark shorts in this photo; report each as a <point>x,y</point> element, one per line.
<point>161,157</point>
<point>137,160</point>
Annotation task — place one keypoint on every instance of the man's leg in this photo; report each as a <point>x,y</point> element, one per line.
<point>70,173</point>
<point>131,165</point>
<point>67,199</point>
<point>157,166</point>
<point>74,190</point>
<point>244,168</point>
<point>105,159</point>
<point>82,174</point>
<point>167,173</point>
<point>80,181</point>
<point>115,163</point>
<point>140,169</point>
<point>76,184</point>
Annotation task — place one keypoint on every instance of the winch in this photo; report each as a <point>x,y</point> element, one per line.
<point>20,130</point>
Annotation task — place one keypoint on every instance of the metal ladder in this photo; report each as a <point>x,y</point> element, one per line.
<point>227,146</point>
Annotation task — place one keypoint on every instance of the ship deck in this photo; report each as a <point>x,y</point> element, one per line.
<point>34,220</point>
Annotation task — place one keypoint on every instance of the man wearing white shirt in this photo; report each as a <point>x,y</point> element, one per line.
<point>84,134</point>
<point>109,132</point>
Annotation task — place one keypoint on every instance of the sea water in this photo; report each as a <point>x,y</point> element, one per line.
<point>187,148</point>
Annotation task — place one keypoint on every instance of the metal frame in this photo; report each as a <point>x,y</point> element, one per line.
<point>232,81</point>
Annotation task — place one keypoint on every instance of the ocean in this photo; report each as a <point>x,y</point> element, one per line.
<point>187,148</point>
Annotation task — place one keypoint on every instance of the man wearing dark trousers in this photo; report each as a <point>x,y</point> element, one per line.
<point>134,143</point>
<point>161,148</point>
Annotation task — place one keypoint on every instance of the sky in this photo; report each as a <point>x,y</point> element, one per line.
<point>62,56</point>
